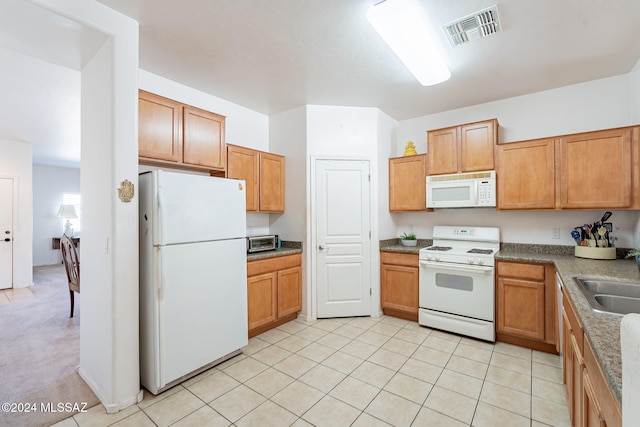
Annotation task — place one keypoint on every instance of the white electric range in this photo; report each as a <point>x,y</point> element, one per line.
<point>457,281</point>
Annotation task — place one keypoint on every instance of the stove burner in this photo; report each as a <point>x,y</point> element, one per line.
<point>480,251</point>
<point>439,248</point>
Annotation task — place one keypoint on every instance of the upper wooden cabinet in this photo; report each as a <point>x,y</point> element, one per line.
<point>465,148</point>
<point>526,175</point>
<point>159,127</point>
<point>203,139</point>
<point>181,136</point>
<point>407,182</point>
<point>263,174</point>
<point>271,182</point>
<point>591,170</point>
<point>597,170</point>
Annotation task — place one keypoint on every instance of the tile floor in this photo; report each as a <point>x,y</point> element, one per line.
<point>359,372</point>
<point>12,295</point>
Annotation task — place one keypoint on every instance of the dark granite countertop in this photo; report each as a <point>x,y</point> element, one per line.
<point>394,245</point>
<point>602,329</point>
<point>288,248</point>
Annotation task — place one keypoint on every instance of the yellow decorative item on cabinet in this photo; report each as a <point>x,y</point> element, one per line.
<point>410,149</point>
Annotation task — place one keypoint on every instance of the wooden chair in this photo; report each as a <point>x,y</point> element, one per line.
<point>71,265</point>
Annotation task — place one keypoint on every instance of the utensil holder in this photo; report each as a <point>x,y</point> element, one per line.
<point>595,253</point>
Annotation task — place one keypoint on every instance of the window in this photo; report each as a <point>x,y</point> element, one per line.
<point>73,199</point>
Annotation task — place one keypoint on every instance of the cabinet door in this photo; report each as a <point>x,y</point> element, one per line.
<point>442,148</point>
<point>243,164</point>
<point>407,183</point>
<point>399,289</point>
<point>261,299</point>
<point>271,182</point>
<point>567,364</point>
<point>591,412</point>
<point>289,291</point>
<point>576,387</point>
<point>596,170</point>
<point>521,308</point>
<point>526,175</point>
<point>159,127</point>
<point>477,145</point>
<point>203,139</point>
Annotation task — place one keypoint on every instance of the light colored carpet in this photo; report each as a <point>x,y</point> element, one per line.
<point>40,352</point>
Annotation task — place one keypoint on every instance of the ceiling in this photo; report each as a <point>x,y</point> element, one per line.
<point>271,56</point>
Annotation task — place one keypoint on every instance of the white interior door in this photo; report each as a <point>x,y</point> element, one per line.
<point>6,233</point>
<point>343,237</point>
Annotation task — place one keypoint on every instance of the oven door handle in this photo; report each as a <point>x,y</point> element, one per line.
<point>456,267</point>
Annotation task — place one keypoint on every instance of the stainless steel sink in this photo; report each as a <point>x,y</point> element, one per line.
<point>610,296</point>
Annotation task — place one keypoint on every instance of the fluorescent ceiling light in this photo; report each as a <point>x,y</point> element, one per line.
<point>404,26</point>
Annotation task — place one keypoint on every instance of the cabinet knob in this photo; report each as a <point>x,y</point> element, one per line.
<point>323,247</point>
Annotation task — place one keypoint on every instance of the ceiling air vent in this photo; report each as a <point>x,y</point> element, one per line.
<point>472,27</point>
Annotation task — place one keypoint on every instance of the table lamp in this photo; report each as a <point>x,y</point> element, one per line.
<point>67,212</point>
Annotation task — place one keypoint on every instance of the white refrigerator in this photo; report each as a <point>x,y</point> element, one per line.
<point>193,275</point>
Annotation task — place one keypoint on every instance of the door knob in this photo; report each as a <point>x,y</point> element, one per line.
<point>323,247</point>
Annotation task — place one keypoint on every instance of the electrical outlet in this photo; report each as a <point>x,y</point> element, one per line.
<point>555,233</point>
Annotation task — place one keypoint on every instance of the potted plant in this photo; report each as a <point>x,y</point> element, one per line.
<point>409,239</point>
<point>635,253</point>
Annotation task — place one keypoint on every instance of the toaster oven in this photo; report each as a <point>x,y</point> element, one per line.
<point>262,243</point>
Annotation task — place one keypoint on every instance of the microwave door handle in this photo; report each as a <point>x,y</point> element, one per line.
<point>456,267</point>
<point>474,192</point>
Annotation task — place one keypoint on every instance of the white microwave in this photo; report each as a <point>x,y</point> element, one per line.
<point>462,190</point>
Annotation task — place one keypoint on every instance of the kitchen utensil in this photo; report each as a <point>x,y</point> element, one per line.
<point>576,236</point>
<point>588,228</point>
<point>601,232</point>
<point>605,217</point>
<point>615,235</point>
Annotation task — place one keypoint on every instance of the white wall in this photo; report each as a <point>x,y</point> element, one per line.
<point>599,104</point>
<point>49,184</point>
<point>243,126</point>
<point>287,136</point>
<point>634,82</point>
<point>386,132</point>
<point>109,361</point>
<point>15,163</point>
<point>342,131</point>
<point>346,132</point>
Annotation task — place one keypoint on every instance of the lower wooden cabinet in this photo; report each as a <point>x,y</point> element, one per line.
<point>274,292</point>
<point>572,362</point>
<point>589,398</point>
<point>526,305</point>
<point>399,285</point>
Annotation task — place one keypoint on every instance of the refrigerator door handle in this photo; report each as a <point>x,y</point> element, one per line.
<point>158,213</point>
<point>160,273</point>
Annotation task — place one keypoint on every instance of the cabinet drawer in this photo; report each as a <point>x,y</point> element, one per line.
<point>408,260</point>
<point>521,271</point>
<point>574,323</point>
<point>273,264</point>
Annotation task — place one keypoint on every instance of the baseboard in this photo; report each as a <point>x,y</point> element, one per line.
<point>110,407</point>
